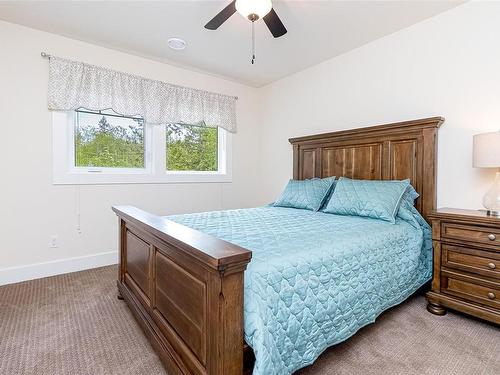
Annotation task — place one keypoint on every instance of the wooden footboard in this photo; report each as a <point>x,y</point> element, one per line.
<point>186,290</point>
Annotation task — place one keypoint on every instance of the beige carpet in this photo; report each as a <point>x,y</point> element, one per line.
<point>73,324</point>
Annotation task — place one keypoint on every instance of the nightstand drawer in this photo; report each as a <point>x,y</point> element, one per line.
<point>470,233</point>
<point>471,288</point>
<point>482,262</point>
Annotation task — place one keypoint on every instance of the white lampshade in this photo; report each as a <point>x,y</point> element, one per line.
<point>249,7</point>
<point>486,150</point>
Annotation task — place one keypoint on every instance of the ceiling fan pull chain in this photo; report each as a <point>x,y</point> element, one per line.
<point>253,42</point>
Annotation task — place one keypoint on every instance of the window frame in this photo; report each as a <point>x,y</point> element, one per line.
<point>66,173</point>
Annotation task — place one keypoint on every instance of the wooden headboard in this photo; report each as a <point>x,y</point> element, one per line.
<point>384,152</point>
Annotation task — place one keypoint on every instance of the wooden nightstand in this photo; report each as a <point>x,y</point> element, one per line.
<point>466,271</point>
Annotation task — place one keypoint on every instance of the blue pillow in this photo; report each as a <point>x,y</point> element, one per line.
<point>378,199</point>
<point>410,195</point>
<point>307,194</point>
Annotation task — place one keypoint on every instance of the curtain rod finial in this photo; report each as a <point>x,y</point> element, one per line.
<point>45,55</point>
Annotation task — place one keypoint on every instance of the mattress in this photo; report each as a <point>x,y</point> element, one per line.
<point>315,278</point>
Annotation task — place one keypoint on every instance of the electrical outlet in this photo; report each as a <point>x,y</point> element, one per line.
<point>53,241</point>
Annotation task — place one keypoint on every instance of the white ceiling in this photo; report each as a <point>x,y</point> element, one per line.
<point>317,30</point>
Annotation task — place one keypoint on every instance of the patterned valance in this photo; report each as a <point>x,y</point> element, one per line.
<point>74,85</point>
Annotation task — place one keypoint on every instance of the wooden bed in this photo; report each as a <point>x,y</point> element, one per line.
<point>186,288</point>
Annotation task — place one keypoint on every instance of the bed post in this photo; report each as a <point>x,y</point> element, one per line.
<point>185,288</point>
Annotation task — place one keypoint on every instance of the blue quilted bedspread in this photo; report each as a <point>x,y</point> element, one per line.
<point>316,278</point>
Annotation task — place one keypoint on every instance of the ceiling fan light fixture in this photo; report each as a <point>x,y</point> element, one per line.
<point>253,9</point>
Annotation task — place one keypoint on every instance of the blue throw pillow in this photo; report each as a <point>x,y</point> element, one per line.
<point>307,194</point>
<point>378,199</point>
<point>410,195</point>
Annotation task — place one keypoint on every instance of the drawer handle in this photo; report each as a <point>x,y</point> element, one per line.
<point>492,266</point>
<point>492,237</point>
<point>491,295</point>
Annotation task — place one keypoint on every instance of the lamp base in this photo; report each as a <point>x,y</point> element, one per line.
<point>491,212</point>
<point>491,200</point>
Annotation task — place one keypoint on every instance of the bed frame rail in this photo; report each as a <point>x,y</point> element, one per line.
<point>186,290</point>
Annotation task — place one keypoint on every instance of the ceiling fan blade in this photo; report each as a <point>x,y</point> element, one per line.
<point>274,24</point>
<point>221,17</point>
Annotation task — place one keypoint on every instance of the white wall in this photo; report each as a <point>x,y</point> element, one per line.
<point>32,208</point>
<point>448,65</point>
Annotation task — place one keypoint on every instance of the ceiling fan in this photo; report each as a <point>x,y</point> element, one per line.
<point>253,10</point>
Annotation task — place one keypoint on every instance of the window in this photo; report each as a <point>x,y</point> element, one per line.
<point>191,148</point>
<point>105,139</point>
<point>99,147</point>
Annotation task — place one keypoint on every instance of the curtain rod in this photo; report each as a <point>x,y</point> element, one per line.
<point>45,55</point>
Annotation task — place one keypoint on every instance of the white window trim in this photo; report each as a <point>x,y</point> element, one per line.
<point>65,173</point>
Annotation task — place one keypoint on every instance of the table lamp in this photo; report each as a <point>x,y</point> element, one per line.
<point>486,154</point>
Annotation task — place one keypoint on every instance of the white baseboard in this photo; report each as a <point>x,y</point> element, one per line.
<point>57,267</point>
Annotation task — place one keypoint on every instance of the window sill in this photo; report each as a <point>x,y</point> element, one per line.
<point>168,178</point>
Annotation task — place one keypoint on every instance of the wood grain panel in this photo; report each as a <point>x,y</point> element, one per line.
<point>181,300</point>
<point>404,160</point>
<point>308,162</point>
<point>366,162</point>
<point>360,162</point>
<point>334,162</point>
<point>137,266</point>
